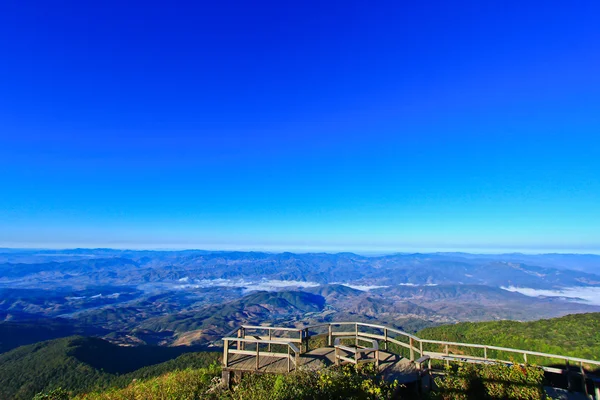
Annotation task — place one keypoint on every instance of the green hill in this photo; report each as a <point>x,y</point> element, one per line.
<point>576,335</point>
<point>83,363</point>
<point>20,333</point>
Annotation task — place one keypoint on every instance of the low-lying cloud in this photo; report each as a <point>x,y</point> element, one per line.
<point>579,294</point>
<point>247,286</point>
<point>364,288</point>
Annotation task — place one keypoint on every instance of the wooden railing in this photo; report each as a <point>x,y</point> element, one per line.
<point>240,349</point>
<point>371,353</point>
<point>386,334</point>
<point>442,350</point>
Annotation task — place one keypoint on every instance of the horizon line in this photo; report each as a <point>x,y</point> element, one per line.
<point>314,250</point>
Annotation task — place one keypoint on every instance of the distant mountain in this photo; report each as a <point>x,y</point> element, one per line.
<point>62,300</point>
<point>481,302</point>
<point>578,262</point>
<point>82,363</point>
<point>334,291</point>
<point>254,308</point>
<point>186,297</point>
<point>409,307</point>
<point>111,267</point>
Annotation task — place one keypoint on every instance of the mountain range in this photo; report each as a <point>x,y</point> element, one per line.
<point>192,297</point>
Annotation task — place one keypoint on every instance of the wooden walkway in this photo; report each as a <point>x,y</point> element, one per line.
<point>391,365</point>
<point>265,349</point>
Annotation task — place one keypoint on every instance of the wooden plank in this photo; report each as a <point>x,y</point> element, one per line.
<point>372,336</point>
<point>273,328</point>
<point>399,343</point>
<point>253,352</point>
<point>272,339</point>
<point>262,341</point>
<point>351,360</point>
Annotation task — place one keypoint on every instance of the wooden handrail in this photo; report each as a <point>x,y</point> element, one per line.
<point>262,341</point>
<point>271,328</point>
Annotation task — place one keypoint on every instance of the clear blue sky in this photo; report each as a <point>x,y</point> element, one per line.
<point>300,125</point>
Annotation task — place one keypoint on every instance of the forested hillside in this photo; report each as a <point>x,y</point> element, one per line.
<point>575,335</point>
<point>82,364</point>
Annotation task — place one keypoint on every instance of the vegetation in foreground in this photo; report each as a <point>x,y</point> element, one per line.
<point>471,381</point>
<point>80,364</point>
<point>494,382</point>
<point>344,382</point>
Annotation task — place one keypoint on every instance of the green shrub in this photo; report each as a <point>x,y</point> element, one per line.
<point>187,384</point>
<point>495,381</point>
<point>345,382</point>
<point>56,394</point>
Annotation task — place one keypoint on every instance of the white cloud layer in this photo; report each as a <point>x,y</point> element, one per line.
<point>247,286</point>
<point>364,288</point>
<point>580,294</point>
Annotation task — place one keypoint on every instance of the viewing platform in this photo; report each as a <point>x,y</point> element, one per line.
<point>397,354</point>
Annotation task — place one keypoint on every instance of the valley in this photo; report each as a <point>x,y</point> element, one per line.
<point>172,298</point>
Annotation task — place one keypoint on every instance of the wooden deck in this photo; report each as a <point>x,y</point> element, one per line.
<point>391,365</point>
<point>272,349</point>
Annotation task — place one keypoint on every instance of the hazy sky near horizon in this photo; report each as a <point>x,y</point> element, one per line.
<point>312,125</point>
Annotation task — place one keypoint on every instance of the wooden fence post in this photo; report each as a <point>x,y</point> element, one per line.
<point>385,335</point>
<point>330,336</point>
<point>306,337</point>
<point>569,387</point>
<point>257,356</point>
<point>270,338</point>
<point>226,353</point>
<point>412,349</point>
<point>583,379</point>
<point>289,362</point>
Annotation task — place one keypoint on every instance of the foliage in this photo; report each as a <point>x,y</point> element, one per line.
<point>470,381</point>
<point>333,383</point>
<point>345,382</point>
<point>20,333</point>
<point>186,384</point>
<point>65,363</point>
<point>56,394</point>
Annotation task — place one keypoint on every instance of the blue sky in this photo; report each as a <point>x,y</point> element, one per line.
<point>337,126</point>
